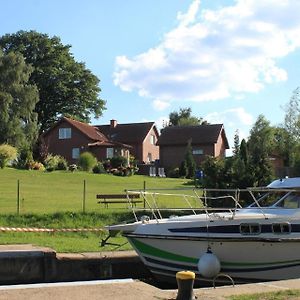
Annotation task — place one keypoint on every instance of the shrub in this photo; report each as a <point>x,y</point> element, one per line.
<point>118,161</point>
<point>87,161</point>
<point>62,164</point>
<point>73,167</point>
<point>24,159</point>
<point>53,162</point>
<point>173,173</point>
<point>98,168</point>
<point>35,165</point>
<point>7,154</point>
<point>183,170</point>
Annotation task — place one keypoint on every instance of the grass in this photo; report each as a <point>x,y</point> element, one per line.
<point>55,200</point>
<point>42,192</point>
<point>281,295</point>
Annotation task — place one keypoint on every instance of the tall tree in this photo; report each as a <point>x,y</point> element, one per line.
<point>292,128</point>
<point>66,87</point>
<point>260,146</point>
<point>18,122</point>
<point>184,118</point>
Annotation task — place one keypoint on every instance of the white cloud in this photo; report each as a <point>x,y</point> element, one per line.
<point>215,54</point>
<point>160,105</point>
<point>233,117</point>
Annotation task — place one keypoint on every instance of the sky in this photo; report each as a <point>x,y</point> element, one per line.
<point>228,60</point>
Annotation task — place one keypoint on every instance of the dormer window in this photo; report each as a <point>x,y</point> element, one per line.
<point>64,133</point>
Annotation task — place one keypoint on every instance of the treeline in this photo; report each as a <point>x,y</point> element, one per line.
<point>40,81</point>
<point>251,163</point>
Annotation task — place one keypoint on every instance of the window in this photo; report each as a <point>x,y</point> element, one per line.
<point>197,151</point>
<point>149,157</point>
<point>109,152</point>
<point>152,139</point>
<point>250,229</point>
<point>281,228</point>
<point>75,153</point>
<point>64,133</point>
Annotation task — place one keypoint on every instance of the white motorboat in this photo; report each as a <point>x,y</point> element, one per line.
<point>257,242</point>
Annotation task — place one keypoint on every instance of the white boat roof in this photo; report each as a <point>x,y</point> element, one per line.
<point>285,183</point>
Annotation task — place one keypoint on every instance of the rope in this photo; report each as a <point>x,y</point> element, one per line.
<point>20,229</point>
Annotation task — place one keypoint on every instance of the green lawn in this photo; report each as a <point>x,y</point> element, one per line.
<point>43,192</point>
<point>55,200</point>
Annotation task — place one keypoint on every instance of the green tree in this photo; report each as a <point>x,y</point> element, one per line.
<point>7,154</point>
<point>291,136</point>
<point>190,162</point>
<point>18,121</point>
<point>184,118</point>
<point>66,87</point>
<point>260,146</point>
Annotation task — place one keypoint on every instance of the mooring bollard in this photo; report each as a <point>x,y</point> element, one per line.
<point>185,282</point>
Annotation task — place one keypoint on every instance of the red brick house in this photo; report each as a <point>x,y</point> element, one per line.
<point>142,137</point>
<point>205,140</point>
<point>69,138</point>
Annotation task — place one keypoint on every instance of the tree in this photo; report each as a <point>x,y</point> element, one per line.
<point>18,121</point>
<point>190,162</point>
<point>184,118</point>
<point>260,146</point>
<point>291,136</point>
<point>66,87</point>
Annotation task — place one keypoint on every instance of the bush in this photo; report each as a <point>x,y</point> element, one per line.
<point>7,154</point>
<point>118,161</point>
<point>98,168</point>
<point>35,165</point>
<point>173,173</point>
<point>55,162</point>
<point>24,159</point>
<point>87,161</point>
<point>62,164</point>
<point>73,167</point>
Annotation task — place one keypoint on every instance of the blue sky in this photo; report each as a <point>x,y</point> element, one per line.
<point>228,60</point>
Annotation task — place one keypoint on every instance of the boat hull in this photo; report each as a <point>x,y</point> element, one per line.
<point>243,260</point>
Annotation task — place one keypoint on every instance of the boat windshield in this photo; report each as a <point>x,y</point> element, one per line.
<point>281,199</point>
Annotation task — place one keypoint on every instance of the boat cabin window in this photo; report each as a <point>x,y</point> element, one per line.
<point>281,228</point>
<point>269,199</point>
<point>292,200</point>
<point>250,228</point>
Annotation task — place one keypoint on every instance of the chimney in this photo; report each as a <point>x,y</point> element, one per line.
<point>113,123</point>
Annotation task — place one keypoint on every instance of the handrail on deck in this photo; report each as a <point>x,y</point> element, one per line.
<point>151,204</point>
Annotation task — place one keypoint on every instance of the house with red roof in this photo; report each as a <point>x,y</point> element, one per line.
<point>69,138</point>
<point>204,139</point>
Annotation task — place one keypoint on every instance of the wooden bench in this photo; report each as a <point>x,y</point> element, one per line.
<point>118,198</point>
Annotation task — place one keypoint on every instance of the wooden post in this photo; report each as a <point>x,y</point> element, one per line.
<point>144,191</point>
<point>83,199</point>
<point>18,197</point>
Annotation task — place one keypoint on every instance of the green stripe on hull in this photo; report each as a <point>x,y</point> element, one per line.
<point>153,251</point>
<point>146,249</point>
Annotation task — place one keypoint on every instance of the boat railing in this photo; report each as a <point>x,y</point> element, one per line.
<point>195,201</point>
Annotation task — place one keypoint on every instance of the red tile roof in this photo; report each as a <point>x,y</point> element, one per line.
<point>131,133</point>
<point>90,131</point>
<point>202,134</point>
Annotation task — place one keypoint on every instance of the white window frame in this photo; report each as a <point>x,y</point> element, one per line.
<point>109,152</point>
<point>198,151</point>
<point>75,153</point>
<point>64,133</point>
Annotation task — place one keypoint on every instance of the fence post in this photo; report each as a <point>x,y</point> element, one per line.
<point>18,197</point>
<point>144,191</point>
<point>84,192</point>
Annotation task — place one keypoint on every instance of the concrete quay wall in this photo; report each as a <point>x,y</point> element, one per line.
<point>30,264</point>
